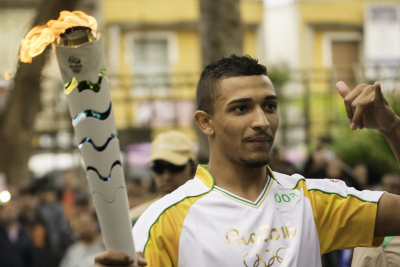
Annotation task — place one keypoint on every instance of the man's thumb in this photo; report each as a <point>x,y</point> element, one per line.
<point>342,88</point>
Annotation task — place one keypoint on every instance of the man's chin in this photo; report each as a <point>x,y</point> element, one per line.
<point>254,163</point>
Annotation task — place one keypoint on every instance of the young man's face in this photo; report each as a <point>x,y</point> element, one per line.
<point>245,119</point>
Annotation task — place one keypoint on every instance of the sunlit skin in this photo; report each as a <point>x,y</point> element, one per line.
<point>241,131</point>
<point>168,181</point>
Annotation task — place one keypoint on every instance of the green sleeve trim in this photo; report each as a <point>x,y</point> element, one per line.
<point>334,193</point>
<point>386,241</point>
<point>298,181</point>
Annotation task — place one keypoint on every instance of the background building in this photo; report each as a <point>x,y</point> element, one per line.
<point>320,42</point>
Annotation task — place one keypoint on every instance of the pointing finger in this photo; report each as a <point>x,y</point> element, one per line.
<point>378,92</point>
<point>342,88</point>
<point>357,119</point>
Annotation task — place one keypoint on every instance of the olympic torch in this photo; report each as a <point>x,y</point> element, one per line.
<point>81,61</point>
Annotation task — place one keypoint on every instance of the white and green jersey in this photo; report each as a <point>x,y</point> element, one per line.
<point>292,223</point>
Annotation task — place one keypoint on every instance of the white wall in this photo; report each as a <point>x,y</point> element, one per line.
<point>281,31</point>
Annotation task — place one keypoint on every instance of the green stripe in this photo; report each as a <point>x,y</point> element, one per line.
<point>212,177</point>
<point>148,238</point>
<point>302,179</point>
<point>248,202</point>
<point>333,193</point>
<point>386,241</point>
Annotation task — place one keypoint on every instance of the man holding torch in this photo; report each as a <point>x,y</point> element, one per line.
<point>236,211</point>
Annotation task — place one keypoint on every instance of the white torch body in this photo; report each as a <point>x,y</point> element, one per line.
<point>88,96</point>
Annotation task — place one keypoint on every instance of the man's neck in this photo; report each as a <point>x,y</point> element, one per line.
<point>238,179</point>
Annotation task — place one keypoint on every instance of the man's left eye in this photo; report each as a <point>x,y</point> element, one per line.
<point>270,106</point>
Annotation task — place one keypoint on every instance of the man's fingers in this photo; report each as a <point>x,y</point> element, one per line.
<point>378,92</point>
<point>342,88</point>
<point>140,258</point>
<point>113,258</point>
<point>357,118</point>
<point>344,91</point>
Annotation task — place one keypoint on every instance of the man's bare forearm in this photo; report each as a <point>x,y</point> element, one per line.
<point>393,138</point>
<point>388,215</point>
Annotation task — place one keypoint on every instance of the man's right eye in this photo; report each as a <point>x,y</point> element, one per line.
<point>241,109</point>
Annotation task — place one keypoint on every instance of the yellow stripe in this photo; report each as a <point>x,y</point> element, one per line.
<point>266,193</point>
<point>338,219</point>
<point>205,176</point>
<point>163,244</point>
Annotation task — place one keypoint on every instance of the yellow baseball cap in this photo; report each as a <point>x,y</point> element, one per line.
<point>173,147</point>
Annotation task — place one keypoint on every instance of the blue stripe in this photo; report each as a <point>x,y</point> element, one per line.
<point>91,113</point>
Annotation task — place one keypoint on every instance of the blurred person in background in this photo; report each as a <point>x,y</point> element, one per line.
<point>391,183</point>
<point>82,252</point>
<point>50,210</point>
<point>367,175</point>
<point>16,249</point>
<point>315,166</point>
<point>35,226</point>
<point>279,163</point>
<point>134,190</point>
<point>388,254</point>
<point>173,163</point>
<point>337,169</point>
<point>70,191</point>
<point>67,234</point>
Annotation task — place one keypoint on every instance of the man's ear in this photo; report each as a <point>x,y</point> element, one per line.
<point>205,122</point>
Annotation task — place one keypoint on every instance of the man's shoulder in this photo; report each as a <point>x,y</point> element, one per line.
<point>137,211</point>
<point>325,187</point>
<point>288,181</point>
<point>192,188</point>
<point>165,213</point>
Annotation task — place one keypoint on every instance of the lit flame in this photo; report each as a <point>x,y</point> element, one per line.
<point>6,76</point>
<point>39,37</point>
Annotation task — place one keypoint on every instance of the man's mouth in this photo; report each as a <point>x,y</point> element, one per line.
<point>259,138</point>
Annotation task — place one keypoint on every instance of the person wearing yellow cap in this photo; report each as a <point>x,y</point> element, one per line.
<point>173,162</point>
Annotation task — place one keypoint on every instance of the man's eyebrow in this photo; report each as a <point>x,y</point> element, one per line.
<point>269,97</point>
<point>244,100</point>
<point>239,100</point>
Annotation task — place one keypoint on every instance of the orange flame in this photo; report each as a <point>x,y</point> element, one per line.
<point>39,37</point>
<point>6,76</point>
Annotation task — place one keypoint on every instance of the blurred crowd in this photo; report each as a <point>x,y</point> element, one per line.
<point>51,221</point>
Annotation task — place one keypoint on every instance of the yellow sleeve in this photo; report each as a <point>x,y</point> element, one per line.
<point>345,218</point>
<point>162,247</point>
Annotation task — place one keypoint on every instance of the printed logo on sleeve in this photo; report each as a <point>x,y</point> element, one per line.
<point>286,198</point>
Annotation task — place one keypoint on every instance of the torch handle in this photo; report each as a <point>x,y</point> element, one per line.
<point>89,101</point>
<point>113,213</point>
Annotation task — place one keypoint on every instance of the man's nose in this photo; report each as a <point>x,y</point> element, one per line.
<point>166,174</point>
<point>260,120</point>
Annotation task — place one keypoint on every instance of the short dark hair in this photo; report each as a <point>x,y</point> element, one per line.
<point>226,67</point>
